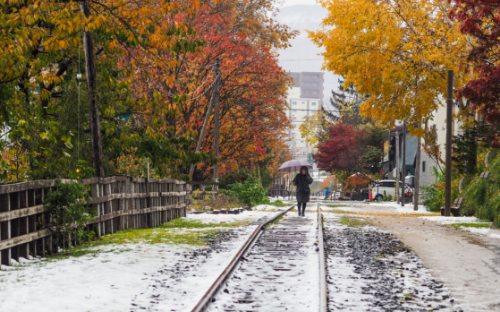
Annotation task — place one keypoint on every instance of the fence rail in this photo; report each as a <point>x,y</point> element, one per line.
<point>120,202</point>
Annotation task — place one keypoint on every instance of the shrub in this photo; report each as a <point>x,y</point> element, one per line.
<point>433,198</point>
<point>482,196</point>
<point>69,215</point>
<point>250,192</point>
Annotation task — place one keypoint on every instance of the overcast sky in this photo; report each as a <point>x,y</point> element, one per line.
<point>303,55</point>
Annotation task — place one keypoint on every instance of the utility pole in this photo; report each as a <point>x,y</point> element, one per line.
<point>403,169</point>
<point>202,131</point>
<point>216,119</point>
<point>91,75</point>
<point>417,173</point>
<point>398,176</point>
<point>449,125</point>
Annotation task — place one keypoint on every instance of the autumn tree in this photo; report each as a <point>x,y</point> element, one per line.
<point>480,20</point>
<point>341,151</point>
<point>252,85</point>
<point>351,150</point>
<point>41,43</point>
<point>398,52</point>
<point>355,183</point>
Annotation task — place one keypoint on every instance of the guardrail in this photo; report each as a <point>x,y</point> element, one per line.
<point>121,203</point>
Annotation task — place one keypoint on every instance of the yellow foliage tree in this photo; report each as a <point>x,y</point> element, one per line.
<point>396,51</point>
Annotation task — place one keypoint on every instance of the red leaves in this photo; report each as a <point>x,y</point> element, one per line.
<point>480,19</point>
<point>341,151</point>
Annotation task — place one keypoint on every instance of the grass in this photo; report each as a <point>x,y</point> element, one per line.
<point>471,225</point>
<point>278,203</point>
<point>177,231</point>
<point>335,206</point>
<point>353,222</point>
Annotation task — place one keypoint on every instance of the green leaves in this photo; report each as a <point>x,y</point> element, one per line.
<point>68,211</point>
<point>250,192</point>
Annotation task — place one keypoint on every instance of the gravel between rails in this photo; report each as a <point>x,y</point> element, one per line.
<point>279,273</point>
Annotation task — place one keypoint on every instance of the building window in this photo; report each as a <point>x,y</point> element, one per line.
<point>313,103</point>
<point>294,118</point>
<point>304,153</point>
<point>294,103</point>
<point>303,102</point>
<point>423,166</point>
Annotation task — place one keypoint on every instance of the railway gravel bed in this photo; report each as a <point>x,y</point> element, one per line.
<point>279,273</point>
<point>368,270</point>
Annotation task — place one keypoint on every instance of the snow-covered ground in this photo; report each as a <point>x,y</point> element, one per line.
<point>476,230</point>
<point>110,278</point>
<point>208,218</point>
<point>390,207</point>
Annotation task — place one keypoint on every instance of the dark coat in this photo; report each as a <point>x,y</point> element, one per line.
<point>302,182</point>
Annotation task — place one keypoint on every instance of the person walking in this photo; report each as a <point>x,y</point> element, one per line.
<point>302,181</point>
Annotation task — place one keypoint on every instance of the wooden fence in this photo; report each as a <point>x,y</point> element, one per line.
<point>121,203</point>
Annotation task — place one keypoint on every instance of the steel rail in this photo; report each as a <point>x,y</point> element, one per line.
<point>323,300</point>
<point>212,291</point>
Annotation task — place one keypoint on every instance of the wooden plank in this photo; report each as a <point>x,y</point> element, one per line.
<point>23,239</point>
<point>10,215</point>
<point>119,213</point>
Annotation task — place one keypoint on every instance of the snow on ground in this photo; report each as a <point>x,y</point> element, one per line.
<point>108,279</point>
<point>104,281</point>
<point>451,220</point>
<point>389,207</point>
<point>407,207</point>
<point>206,218</point>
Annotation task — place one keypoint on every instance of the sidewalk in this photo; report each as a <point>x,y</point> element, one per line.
<point>468,264</point>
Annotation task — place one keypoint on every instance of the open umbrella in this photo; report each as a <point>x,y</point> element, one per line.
<point>294,165</point>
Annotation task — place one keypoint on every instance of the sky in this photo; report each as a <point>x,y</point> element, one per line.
<point>303,55</point>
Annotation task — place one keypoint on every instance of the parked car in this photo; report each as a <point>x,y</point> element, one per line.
<point>388,187</point>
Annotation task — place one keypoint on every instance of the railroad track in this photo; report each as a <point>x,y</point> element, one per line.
<point>281,267</point>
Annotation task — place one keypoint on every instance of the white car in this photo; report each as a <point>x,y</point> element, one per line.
<point>388,187</point>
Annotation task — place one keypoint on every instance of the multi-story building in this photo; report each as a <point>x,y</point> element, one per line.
<point>305,98</point>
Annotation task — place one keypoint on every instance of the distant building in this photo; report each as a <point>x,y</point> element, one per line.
<point>305,98</point>
<point>310,84</point>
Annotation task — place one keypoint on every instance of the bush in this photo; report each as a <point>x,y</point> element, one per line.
<point>482,196</point>
<point>250,192</point>
<point>387,198</point>
<point>433,198</point>
<point>69,215</point>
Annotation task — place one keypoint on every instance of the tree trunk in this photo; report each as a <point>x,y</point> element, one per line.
<point>417,173</point>
<point>90,71</point>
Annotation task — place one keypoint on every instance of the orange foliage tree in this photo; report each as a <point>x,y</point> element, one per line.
<point>327,182</point>
<point>253,122</point>
<point>354,183</point>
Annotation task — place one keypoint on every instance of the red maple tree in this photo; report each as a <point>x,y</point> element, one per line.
<point>480,19</point>
<point>342,151</point>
